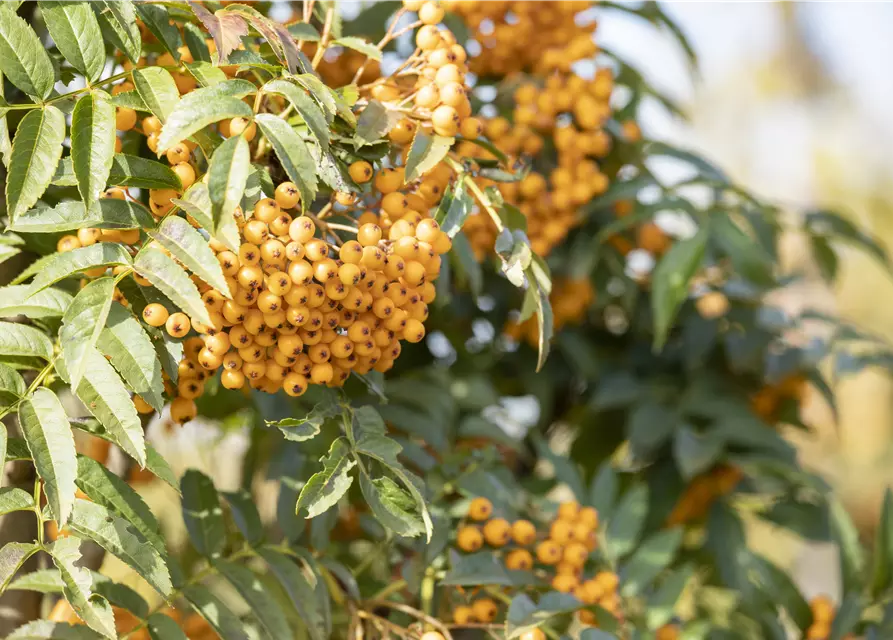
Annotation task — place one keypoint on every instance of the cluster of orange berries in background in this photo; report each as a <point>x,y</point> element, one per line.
<point>304,311</point>
<point>767,402</point>
<point>559,555</point>
<point>570,298</point>
<point>702,492</point>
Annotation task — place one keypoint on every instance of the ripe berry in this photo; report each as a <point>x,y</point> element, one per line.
<point>519,560</point>
<point>360,171</point>
<point>497,532</point>
<point>484,609</point>
<point>155,314</point>
<point>469,538</point>
<point>523,532</point>
<point>183,410</point>
<point>287,195</point>
<point>463,615</point>
<point>177,324</point>
<point>548,552</point>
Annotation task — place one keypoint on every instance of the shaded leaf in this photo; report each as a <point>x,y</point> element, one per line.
<point>203,514</point>
<point>626,522</point>
<point>23,58</point>
<point>324,488</point>
<point>157,18</point>
<point>21,340</point>
<point>161,627</point>
<point>192,250</point>
<point>12,387</point>
<point>117,18</point>
<point>305,106</point>
<point>197,203</point>
<point>473,569</point>
<point>293,154</point>
<point>426,153</point>
<point>215,612</point>
<point>265,608</point>
<point>649,559</point>
<point>392,505</point>
<point>662,603</point>
<point>299,590</point>
<point>206,73</point>
<point>670,282</point>
<point>374,122</point>
<point>359,44</point>
<point>244,512</point>
<point>227,177</point>
<point>134,171</point>
<point>18,300</point>
<point>12,556</point>
<point>131,352</point>
<point>172,281</point>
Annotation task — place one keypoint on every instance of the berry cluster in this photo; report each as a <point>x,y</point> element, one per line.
<point>560,555</point>
<point>702,492</point>
<point>304,311</point>
<point>769,401</point>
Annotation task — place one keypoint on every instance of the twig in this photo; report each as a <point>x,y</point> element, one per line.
<point>405,608</point>
<point>327,27</point>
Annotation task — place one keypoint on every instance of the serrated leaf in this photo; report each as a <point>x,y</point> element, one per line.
<point>92,144</point>
<point>161,627</point>
<point>36,150</point>
<point>277,36</point>
<point>41,581</point>
<point>227,177</point>
<point>109,213</point>
<point>321,92</point>
<point>134,171</point>
<point>23,58</point>
<point>46,629</point>
<point>215,612</point>
<point>17,300</point>
<point>197,203</point>
<point>358,44</point>
<point>374,122</point>
<point>82,323</point>
<point>95,611</point>
<point>14,499</point>
<point>62,265</point>
<point>130,100</point>
<point>203,514</point>
<point>131,352</point>
<point>107,489</point>
<point>107,399</point>
<point>115,535</point>
<point>172,281</point>
<point>21,340</point>
<point>300,429</point>
<point>425,153</point>
<point>299,590</point>
<point>120,595</point>
<point>392,505</point>
<point>244,512</point>
<point>293,154</point>
<point>48,435</point>
<point>12,387</point>
<point>117,19</point>
<point>12,556</point>
<point>192,250</point>
<point>324,488</point>
<point>157,18</point>
<point>305,106</point>
<point>156,86</point>
<point>197,110</point>
<point>76,34</point>
<point>670,282</point>
<point>206,73</point>
<point>249,586</point>
<point>626,522</point>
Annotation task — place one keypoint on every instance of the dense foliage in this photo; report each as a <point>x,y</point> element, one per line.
<point>369,239</point>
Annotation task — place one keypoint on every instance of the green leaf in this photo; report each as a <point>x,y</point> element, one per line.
<point>12,387</point>
<point>92,144</point>
<point>134,171</point>
<point>131,352</point>
<point>652,556</point>
<point>112,492</point>
<point>326,487</point>
<point>305,106</point>
<point>206,73</point>
<point>299,590</point>
<point>45,629</point>
<point>48,435</point>
<point>565,469</point>
<point>293,154</point>
<point>882,572</point>
<point>300,429</point>
<point>591,633</point>
<point>748,257</point>
<point>524,615</point>
<point>695,452</point>
<point>41,581</point>
<point>392,505</point>
<point>244,512</point>
<point>12,556</point>
<point>626,522</point>
<point>474,569</point>
<point>109,213</point>
<point>197,110</point>
<point>21,340</point>
<point>14,499</point>
<point>265,608</point>
<point>850,550</point>
<point>662,603</point>
<point>36,150</point>
<point>17,449</point>
<point>197,203</point>
<point>156,86</point>
<point>603,490</point>
<point>62,265</point>
<point>215,612</point>
<point>23,58</point>
<point>195,40</point>
<point>828,225</point>
<point>117,19</point>
<point>130,100</point>
<point>17,300</point>
<point>670,282</point>
<point>425,153</point>
<point>454,208</point>
<point>203,514</point>
<point>227,177</point>
<point>192,250</point>
<point>544,318</point>
<point>847,616</point>
<point>157,18</point>
<point>93,610</point>
<point>107,399</point>
<point>75,31</point>
<point>779,589</point>
<point>82,323</point>
<point>374,122</point>
<point>95,522</point>
<point>163,628</point>
<point>304,31</point>
<point>172,281</point>
<point>358,44</point>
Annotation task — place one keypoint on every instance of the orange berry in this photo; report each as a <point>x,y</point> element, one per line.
<point>155,314</point>
<point>519,560</point>
<point>523,532</point>
<point>484,609</point>
<point>469,538</point>
<point>480,509</point>
<point>497,532</point>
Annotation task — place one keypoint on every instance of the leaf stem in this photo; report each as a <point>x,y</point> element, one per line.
<point>479,194</point>
<point>326,29</point>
